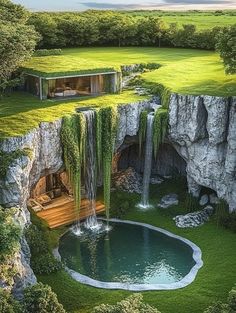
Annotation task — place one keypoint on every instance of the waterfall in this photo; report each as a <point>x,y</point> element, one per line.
<point>91,169</point>
<point>147,162</point>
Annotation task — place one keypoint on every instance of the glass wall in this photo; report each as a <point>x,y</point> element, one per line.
<point>75,86</point>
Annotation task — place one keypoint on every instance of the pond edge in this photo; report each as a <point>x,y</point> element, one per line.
<point>188,279</point>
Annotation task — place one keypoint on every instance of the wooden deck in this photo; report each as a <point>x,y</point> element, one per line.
<point>61,211</point>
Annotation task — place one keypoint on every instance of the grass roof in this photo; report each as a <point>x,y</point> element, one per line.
<point>64,65</point>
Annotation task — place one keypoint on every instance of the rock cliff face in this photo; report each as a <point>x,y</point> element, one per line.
<point>203,131</point>
<point>46,158</point>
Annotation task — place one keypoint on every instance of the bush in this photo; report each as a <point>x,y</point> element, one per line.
<point>229,307</point>
<point>41,299</point>
<point>133,303</point>
<point>42,259</point>
<point>8,304</point>
<point>47,52</point>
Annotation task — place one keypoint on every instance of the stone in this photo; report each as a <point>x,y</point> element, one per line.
<point>194,219</point>
<point>214,199</point>
<point>206,142</point>
<point>168,200</point>
<point>156,180</point>
<point>204,200</point>
<point>127,180</point>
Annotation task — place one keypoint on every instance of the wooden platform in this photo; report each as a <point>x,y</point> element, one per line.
<point>61,211</point>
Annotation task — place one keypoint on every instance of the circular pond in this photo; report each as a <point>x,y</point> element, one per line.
<point>131,256</point>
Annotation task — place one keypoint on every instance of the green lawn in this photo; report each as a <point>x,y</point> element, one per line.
<point>213,281</point>
<point>20,112</point>
<point>202,20</point>
<point>183,71</point>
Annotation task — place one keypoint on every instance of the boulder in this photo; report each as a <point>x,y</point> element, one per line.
<point>168,200</point>
<point>127,180</point>
<point>194,219</point>
<point>204,200</point>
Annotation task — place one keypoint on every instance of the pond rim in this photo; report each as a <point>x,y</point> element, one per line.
<point>185,281</point>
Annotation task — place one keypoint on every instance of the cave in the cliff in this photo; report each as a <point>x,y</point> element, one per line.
<point>167,163</point>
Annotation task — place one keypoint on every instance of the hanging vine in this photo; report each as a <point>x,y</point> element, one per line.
<point>142,129</point>
<point>109,129</point>
<point>73,136</point>
<point>99,140</point>
<point>160,125</point>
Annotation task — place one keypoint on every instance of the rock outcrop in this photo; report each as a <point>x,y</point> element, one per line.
<point>202,130</point>
<point>45,158</point>
<point>128,180</point>
<point>194,219</point>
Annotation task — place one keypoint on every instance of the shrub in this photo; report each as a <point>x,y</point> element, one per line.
<point>47,52</point>
<point>133,303</point>
<point>229,307</point>
<point>41,299</point>
<point>8,304</point>
<point>42,259</point>
<point>232,300</point>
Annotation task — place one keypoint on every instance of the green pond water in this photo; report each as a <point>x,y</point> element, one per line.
<point>129,254</point>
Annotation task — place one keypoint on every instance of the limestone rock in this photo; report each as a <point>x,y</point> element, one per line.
<point>168,200</point>
<point>204,200</point>
<point>213,199</point>
<point>202,129</point>
<point>194,219</point>
<point>127,180</point>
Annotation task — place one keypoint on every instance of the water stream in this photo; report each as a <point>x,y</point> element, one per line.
<point>147,162</point>
<point>90,170</point>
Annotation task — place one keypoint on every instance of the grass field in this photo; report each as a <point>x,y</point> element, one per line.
<point>183,71</point>
<point>20,112</point>
<point>213,281</point>
<point>202,20</point>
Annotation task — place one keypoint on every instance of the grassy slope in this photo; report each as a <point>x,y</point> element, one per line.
<point>21,112</point>
<point>212,283</point>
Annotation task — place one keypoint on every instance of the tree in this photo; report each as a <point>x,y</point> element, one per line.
<point>122,29</point>
<point>41,299</point>
<point>17,40</point>
<point>46,26</point>
<point>8,304</point>
<point>133,303</point>
<point>186,37</point>
<point>151,30</point>
<point>226,45</point>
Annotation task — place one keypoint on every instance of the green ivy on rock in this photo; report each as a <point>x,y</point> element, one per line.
<point>142,129</point>
<point>160,125</point>
<point>74,136</point>
<point>108,130</point>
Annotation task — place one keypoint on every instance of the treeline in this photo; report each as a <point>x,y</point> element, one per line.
<point>108,28</point>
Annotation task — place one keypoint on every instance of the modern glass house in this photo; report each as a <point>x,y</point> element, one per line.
<point>73,83</point>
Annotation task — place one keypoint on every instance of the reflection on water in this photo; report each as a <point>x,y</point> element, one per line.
<point>128,253</point>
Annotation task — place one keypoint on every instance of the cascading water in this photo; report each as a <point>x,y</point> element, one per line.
<point>90,170</point>
<point>147,162</point>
